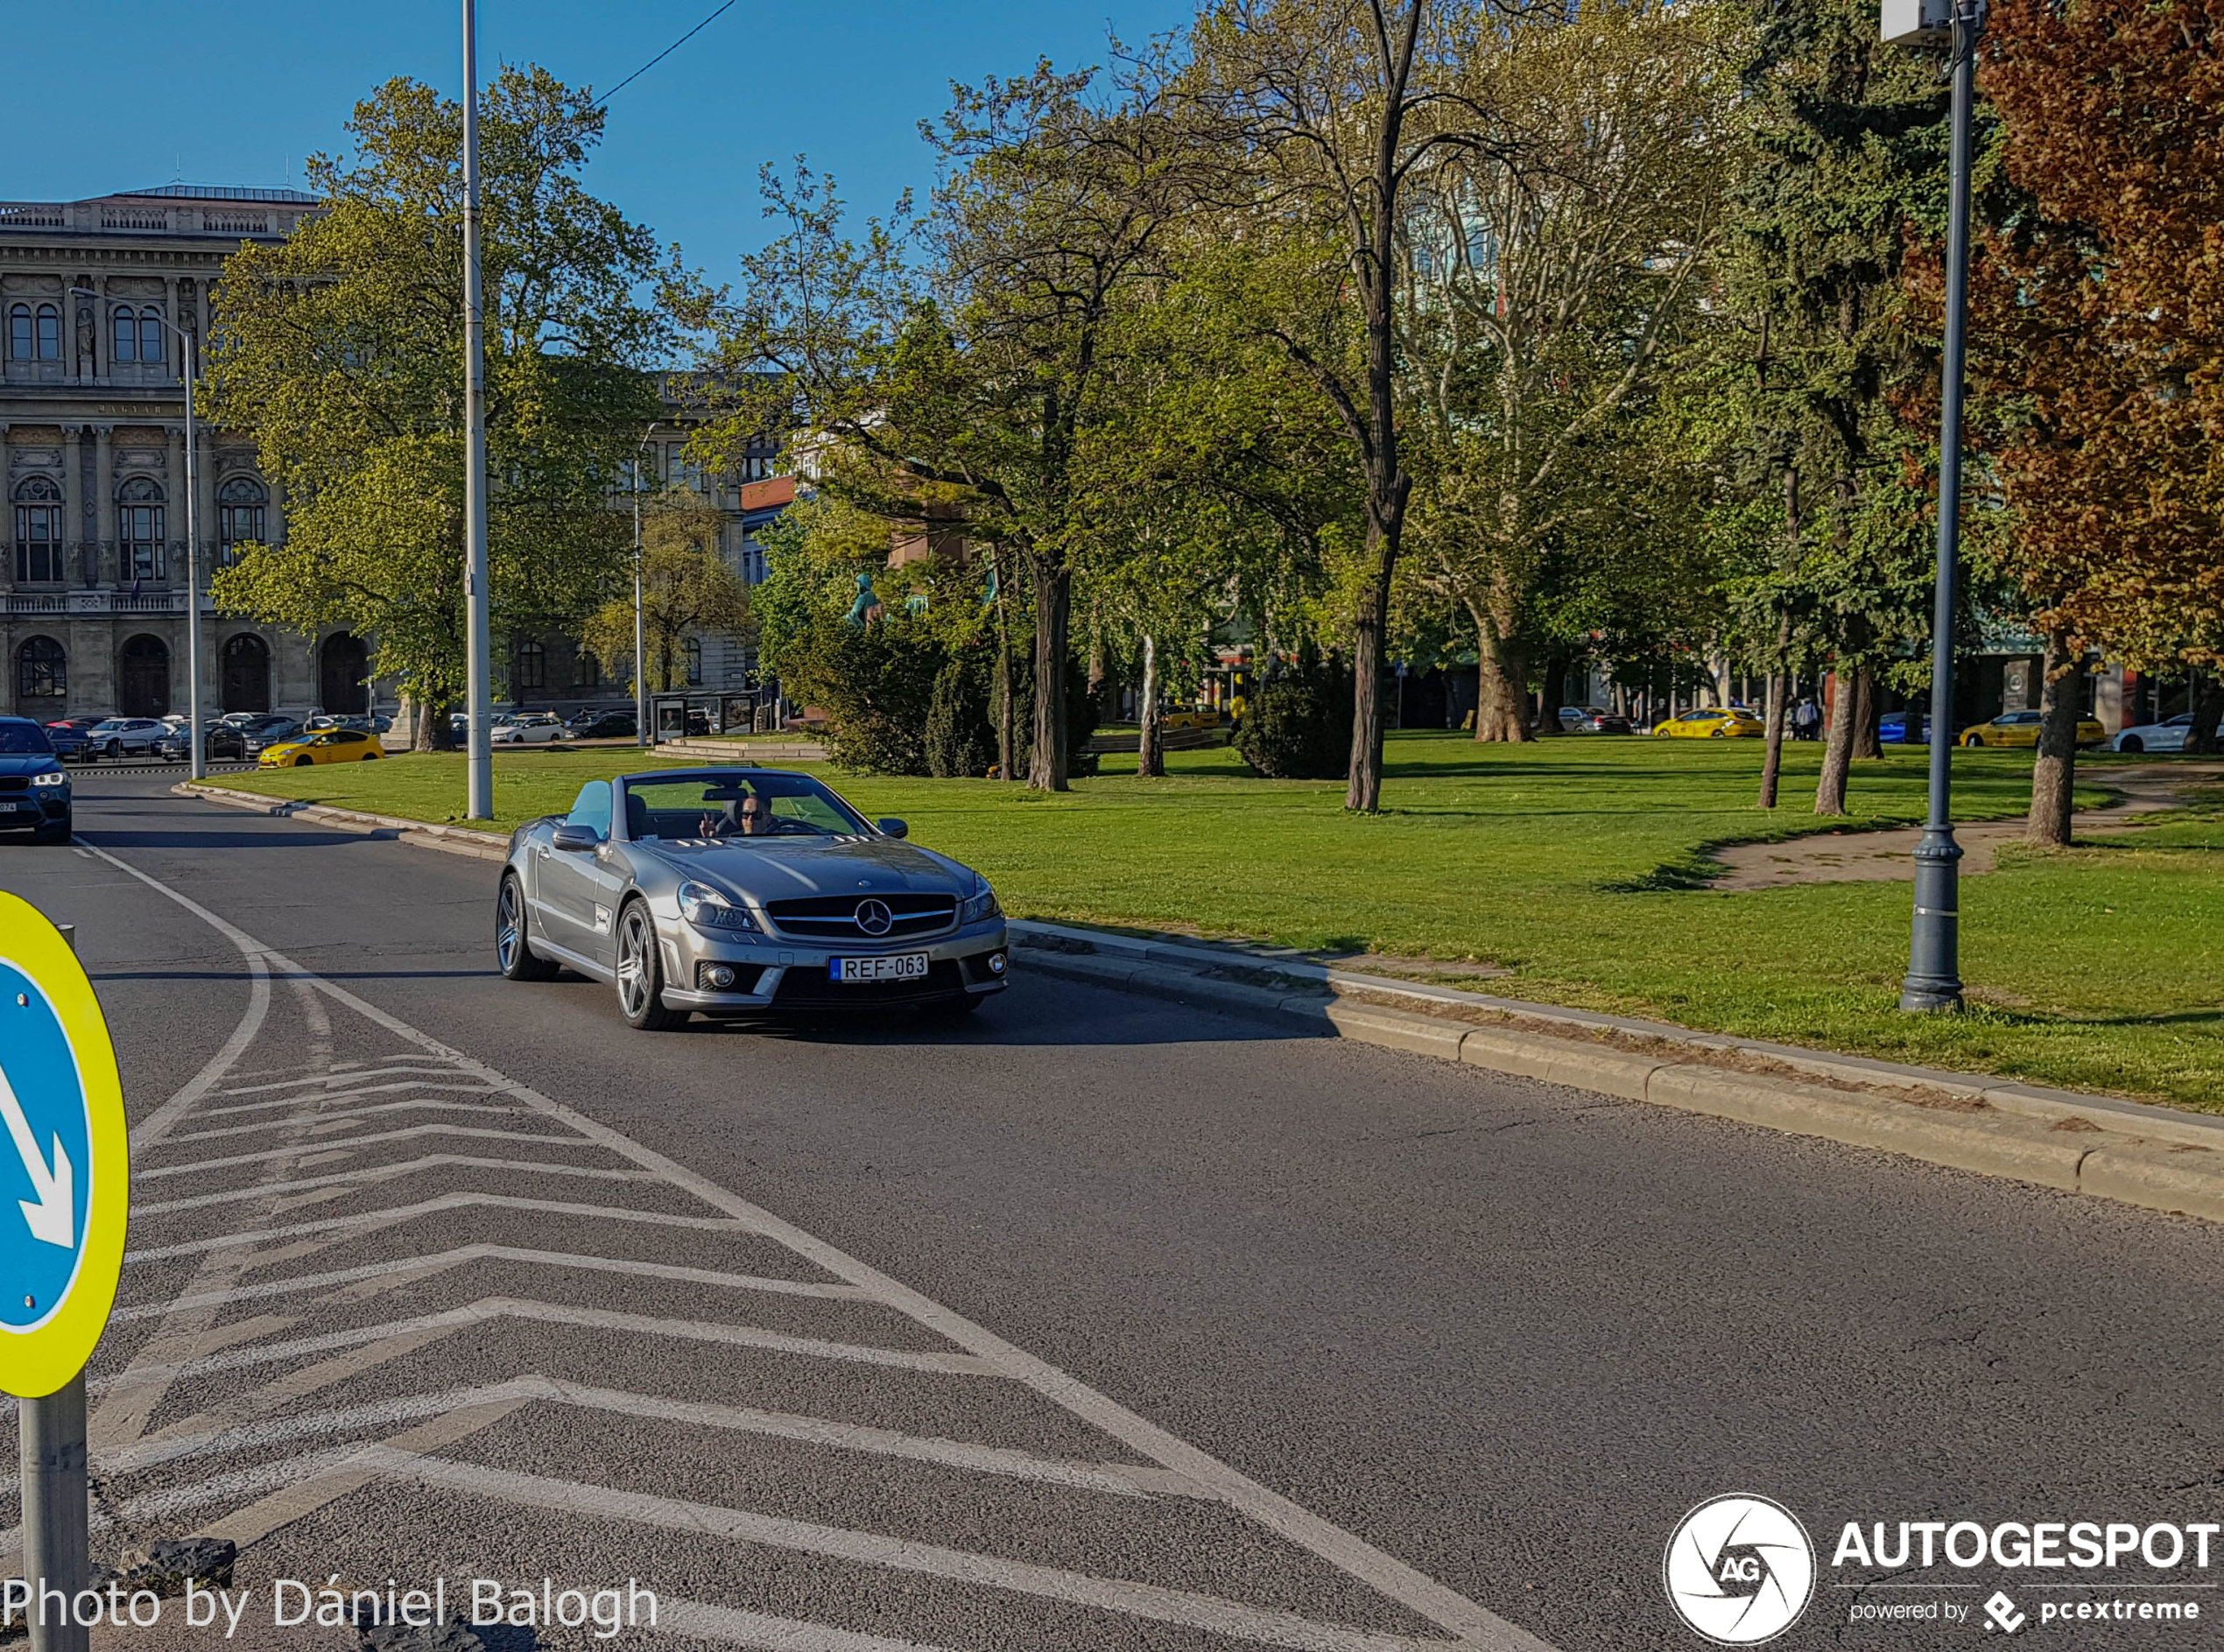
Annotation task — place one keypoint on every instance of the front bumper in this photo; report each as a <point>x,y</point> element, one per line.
<point>51,808</point>
<point>776,974</point>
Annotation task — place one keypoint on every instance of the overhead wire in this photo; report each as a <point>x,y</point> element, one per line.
<point>602,101</point>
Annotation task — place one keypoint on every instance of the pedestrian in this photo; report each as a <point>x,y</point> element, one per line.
<point>1806,719</point>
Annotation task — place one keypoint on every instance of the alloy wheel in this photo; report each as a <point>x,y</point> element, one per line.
<point>636,966</point>
<point>508,931</point>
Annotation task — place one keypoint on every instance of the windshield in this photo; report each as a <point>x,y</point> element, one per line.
<point>735,807</point>
<point>23,740</point>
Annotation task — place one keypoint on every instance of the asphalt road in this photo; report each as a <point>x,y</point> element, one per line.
<point>1097,1324</point>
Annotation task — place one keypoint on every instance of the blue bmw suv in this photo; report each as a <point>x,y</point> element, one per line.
<point>34,787</point>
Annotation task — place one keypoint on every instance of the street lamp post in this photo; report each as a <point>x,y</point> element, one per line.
<point>1933,979</point>
<point>640,622</point>
<point>478,686</point>
<point>189,361</point>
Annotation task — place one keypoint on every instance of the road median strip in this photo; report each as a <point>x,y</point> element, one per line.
<point>2133,1152</point>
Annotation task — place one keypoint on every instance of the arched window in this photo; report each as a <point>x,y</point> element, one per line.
<point>49,334</point>
<point>139,529</point>
<point>39,531</point>
<point>246,663</point>
<point>42,669</point>
<point>694,651</point>
<point>127,337</point>
<point>154,347</point>
<point>20,346</point>
<point>528,666</point>
<point>240,505</point>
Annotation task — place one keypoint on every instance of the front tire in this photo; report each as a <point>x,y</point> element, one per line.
<point>513,951</point>
<point>303,760</point>
<point>641,972</point>
<point>115,752</point>
<point>2132,742</point>
<point>1971,743</point>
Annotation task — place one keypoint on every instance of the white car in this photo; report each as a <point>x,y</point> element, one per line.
<point>2164,736</point>
<point>533,728</point>
<point>121,736</point>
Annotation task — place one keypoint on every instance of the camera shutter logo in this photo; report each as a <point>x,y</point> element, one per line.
<point>1739,1569</point>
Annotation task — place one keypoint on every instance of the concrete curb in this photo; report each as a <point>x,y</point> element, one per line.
<point>467,841</point>
<point>2105,1147</point>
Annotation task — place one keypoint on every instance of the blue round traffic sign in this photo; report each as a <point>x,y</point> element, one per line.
<point>65,1158</point>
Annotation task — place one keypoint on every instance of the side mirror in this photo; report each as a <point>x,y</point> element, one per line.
<point>575,839</point>
<point>893,827</point>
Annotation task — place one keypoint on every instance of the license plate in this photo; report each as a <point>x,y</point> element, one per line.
<point>901,967</point>
<point>13,807</point>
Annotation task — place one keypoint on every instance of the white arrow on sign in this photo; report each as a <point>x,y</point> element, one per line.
<point>54,1216</point>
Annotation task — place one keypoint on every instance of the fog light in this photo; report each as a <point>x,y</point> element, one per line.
<point>718,977</point>
<point>995,963</point>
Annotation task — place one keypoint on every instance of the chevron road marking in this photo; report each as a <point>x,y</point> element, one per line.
<point>323,1107</point>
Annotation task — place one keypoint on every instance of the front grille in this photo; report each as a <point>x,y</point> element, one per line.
<point>833,917</point>
<point>811,989</point>
<point>15,783</point>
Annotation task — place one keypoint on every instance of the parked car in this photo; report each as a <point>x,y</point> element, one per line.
<point>1904,728</point>
<point>604,725</point>
<point>329,745</point>
<point>1711,724</point>
<point>369,724</point>
<point>219,742</point>
<point>527,728</point>
<point>271,731</point>
<point>2021,729</point>
<point>733,893</point>
<point>72,736</point>
<point>124,736</point>
<point>34,787</point>
<point>2169,735</point>
<point>1592,720</point>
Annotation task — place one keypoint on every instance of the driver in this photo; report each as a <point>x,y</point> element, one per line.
<point>754,820</point>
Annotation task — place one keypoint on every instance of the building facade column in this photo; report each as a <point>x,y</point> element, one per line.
<point>205,498</point>
<point>274,518</point>
<point>99,556</point>
<point>74,553</point>
<point>173,503</point>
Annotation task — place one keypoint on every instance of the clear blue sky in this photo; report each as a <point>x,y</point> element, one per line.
<point>109,94</point>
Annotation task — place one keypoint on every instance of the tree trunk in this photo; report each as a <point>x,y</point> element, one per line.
<point>1501,685</point>
<point>1003,682</point>
<point>1363,786</point>
<point>1837,753</point>
<point>1053,613</point>
<point>1722,685</point>
<point>1552,696</point>
<point>1149,759</point>
<point>1866,743</point>
<point>1772,764</point>
<point>2055,773</point>
<point>2207,699</point>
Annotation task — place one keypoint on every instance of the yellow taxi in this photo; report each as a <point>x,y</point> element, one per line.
<point>1711,724</point>
<point>2021,729</point>
<point>325,745</point>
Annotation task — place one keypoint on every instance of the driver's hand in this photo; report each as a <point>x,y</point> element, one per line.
<point>709,826</point>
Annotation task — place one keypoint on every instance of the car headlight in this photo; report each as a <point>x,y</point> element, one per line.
<point>56,778</point>
<point>706,908</point>
<point>980,904</point>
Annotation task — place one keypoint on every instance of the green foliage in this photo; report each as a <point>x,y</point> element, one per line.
<point>687,588</point>
<point>1297,722</point>
<point>960,743</point>
<point>876,686</point>
<point>338,350</point>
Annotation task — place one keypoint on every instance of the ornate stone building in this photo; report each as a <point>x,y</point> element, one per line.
<point>93,295</point>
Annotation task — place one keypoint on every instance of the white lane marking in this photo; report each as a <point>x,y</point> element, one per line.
<point>490,1309</point>
<point>52,1216</point>
<point>1475,1626</point>
<point>388,1172</point>
<point>1264,1626</point>
<point>415,1132</point>
<point>463,1254</point>
<point>335,1081</point>
<point>396,1215</point>
<point>763,1634</point>
<point>1116,1479</point>
<point>336,1121</point>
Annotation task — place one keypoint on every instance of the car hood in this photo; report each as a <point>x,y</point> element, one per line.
<point>29,762</point>
<point>784,868</point>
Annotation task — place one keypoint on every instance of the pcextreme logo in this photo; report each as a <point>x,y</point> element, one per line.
<point>1739,1569</point>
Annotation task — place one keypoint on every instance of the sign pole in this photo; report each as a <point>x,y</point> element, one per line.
<point>56,1540</point>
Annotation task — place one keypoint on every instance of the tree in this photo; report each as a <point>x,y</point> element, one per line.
<point>341,350</point>
<point>2099,347</point>
<point>1848,149</point>
<point>1324,114</point>
<point>687,589</point>
<point>1546,276</point>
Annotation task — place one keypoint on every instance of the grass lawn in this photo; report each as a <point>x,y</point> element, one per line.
<point>1574,863</point>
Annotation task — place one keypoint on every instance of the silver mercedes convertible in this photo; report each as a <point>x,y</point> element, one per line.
<point>734,892</point>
